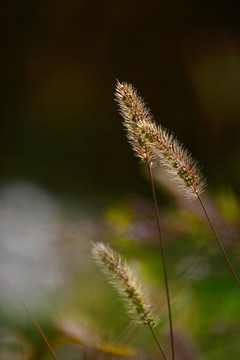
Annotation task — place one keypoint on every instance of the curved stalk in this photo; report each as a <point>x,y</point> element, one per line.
<point>163,261</point>
<point>219,241</point>
<point>155,337</point>
<point>30,315</point>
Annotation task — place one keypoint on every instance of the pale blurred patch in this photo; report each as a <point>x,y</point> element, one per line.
<point>44,241</point>
<point>27,236</point>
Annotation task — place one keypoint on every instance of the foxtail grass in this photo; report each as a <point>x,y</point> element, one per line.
<point>152,144</point>
<point>142,133</point>
<point>122,277</point>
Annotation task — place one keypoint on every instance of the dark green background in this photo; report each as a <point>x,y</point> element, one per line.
<point>61,59</point>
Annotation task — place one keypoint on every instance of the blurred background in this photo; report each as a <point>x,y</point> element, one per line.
<point>69,177</point>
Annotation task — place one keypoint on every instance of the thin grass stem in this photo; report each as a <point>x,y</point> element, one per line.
<point>30,315</point>
<point>163,260</point>
<point>219,241</point>
<point>155,337</point>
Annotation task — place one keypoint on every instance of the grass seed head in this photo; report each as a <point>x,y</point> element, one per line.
<point>179,164</point>
<point>152,143</point>
<point>135,112</point>
<point>120,275</point>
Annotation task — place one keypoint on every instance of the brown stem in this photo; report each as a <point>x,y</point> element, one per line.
<point>219,241</point>
<point>30,315</point>
<point>163,260</point>
<point>155,337</point>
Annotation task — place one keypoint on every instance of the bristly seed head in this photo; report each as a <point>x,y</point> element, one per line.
<point>122,278</point>
<point>152,143</point>
<point>134,112</point>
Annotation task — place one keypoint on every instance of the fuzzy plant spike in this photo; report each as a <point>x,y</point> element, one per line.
<point>120,275</point>
<point>179,163</point>
<point>152,143</point>
<point>135,112</point>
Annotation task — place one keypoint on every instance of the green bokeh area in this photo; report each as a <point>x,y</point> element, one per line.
<point>68,177</point>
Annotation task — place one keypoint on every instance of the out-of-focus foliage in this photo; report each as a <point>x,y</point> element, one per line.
<point>228,204</point>
<point>82,316</point>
